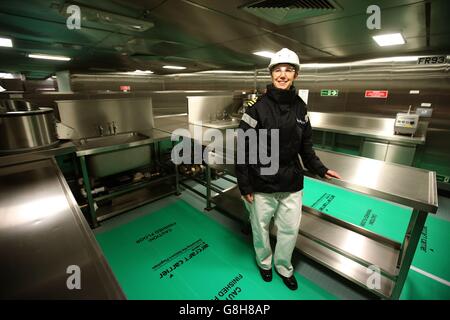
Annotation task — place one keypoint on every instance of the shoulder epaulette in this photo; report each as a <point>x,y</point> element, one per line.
<point>252,102</point>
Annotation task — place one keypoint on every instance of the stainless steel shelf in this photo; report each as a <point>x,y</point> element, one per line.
<point>132,187</point>
<point>351,244</point>
<point>153,191</point>
<point>343,266</point>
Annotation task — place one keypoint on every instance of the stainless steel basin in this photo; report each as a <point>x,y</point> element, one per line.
<point>223,124</point>
<point>108,155</point>
<point>104,141</point>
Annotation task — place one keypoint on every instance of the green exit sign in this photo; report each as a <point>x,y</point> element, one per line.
<point>329,93</point>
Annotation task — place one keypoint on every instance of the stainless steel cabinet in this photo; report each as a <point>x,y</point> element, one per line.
<point>374,150</point>
<point>385,151</point>
<point>401,154</point>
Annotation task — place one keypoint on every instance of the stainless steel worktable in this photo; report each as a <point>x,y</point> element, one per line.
<point>103,149</point>
<point>412,187</point>
<point>43,234</point>
<point>365,125</point>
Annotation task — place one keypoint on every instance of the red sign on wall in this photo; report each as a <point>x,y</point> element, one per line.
<point>382,94</point>
<point>125,88</point>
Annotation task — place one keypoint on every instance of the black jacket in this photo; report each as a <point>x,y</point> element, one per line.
<point>286,111</point>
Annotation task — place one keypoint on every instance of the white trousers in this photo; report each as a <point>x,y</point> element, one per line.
<point>286,208</point>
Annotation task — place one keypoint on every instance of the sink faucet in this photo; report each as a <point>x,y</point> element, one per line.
<point>100,129</point>
<point>114,127</point>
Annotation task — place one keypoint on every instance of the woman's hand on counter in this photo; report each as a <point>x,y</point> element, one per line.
<point>248,197</point>
<point>332,174</point>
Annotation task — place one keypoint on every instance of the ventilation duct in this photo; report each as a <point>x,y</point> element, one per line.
<point>282,12</point>
<point>110,19</point>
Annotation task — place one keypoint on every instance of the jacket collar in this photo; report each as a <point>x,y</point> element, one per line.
<point>282,96</point>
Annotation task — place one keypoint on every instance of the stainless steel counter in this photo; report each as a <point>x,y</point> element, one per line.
<point>365,126</point>
<point>44,235</point>
<point>412,187</point>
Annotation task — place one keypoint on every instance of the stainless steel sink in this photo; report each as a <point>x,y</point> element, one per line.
<point>223,124</point>
<point>107,155</point>
<point>104,141</point>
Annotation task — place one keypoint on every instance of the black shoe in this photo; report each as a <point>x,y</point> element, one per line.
<point>290,282</point>
<point>266,274</point>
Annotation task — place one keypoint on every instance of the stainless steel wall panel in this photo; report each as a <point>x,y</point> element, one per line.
<point>205,109</point>
<point>112,82</point>
<point>86,116</point>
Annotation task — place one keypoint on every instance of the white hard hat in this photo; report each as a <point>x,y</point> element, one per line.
<point>285,56</point>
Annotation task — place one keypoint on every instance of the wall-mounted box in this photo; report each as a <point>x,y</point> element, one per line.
<point>424,112</point>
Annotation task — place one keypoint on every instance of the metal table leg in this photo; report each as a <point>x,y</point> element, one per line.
<point>177,181</point>
<point>333,140</point>
<point>412,238</point>
<point>208,188</point>
<point>87,187</point>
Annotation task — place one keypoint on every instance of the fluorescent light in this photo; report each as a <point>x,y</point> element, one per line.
<point>226,72</point>
<point>5,42</point>
<point>393,59</point>
<point>143,71</point>
<point>322,65</point>
<point>174,67</point>
<point>389,39</point>
<point>48,57</point>
<point>360,62</point>
<point>265,54</point>
<point>139,72</point>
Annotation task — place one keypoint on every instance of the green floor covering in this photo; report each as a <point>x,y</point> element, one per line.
<point>422,287</point>
<point>429,276</point>
<point>180,253</point>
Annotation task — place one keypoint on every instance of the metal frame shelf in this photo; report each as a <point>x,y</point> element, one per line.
<point>131,195</point>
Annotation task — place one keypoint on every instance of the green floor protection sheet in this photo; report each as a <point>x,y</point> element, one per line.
<point>381,217</point>
<point>179,252</point>
<point>429,275</point>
